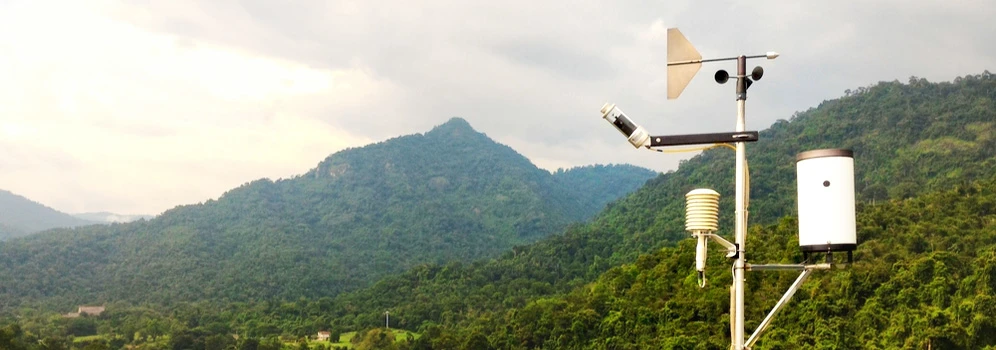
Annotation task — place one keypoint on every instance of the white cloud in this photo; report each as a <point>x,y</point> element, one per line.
<point>100,115</point>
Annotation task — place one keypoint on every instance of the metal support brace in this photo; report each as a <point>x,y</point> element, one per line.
<point>797,267</point>
<point>778,307</point>
<point>806,271</point>
<point>731,249</point>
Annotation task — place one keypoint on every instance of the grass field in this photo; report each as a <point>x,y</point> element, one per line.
<point>87,338</point>
<point>345,339</point>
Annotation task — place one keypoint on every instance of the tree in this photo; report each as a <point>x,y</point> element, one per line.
<point>10,338</point>
<point>376,338</point>
<point>218,342</point>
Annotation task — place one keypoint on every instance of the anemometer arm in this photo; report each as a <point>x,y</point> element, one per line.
<point>703,139</point>
<point>639,137</point>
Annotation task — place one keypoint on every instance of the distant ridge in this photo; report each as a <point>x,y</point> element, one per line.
<point>20,216</point>
<point>108,217</point>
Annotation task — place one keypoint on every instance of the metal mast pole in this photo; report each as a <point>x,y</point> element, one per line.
<point>741,209</point>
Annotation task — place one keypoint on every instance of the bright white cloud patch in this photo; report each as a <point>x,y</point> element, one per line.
<point>131,121</point>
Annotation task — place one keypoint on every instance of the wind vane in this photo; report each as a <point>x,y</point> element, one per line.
<point>687,61</point>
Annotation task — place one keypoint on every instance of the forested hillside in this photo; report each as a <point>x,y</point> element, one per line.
<point>449,194</point>
<point>20,216</point>
<point>909,139</point>
<point>924,277</point>
<point>921,159</point>
<point>927,247</point>
<point>591,185</point>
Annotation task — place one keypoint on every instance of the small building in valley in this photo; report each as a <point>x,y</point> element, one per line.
<point>91,310</point>
<point>86,310</point>
<point>323,335</point>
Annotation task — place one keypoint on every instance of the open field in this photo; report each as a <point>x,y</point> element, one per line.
<point>345,339</point>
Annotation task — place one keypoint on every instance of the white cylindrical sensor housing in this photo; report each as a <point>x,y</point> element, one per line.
<point>635,134</point>
<point>826,200</point>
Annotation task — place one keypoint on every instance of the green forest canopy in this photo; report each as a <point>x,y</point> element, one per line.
<point>923,275</point>
<point>451,194</point>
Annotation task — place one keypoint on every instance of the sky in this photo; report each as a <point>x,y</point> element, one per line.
<point>139,106</point>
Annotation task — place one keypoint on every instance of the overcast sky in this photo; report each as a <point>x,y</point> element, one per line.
<point>139,106</point>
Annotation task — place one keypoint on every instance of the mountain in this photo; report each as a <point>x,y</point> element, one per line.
<point>107,217</point>
<point>908,139</point>
<point>20,216</point>
<point>924,276</point>
<point>449,194</point>
<point>591,185</point>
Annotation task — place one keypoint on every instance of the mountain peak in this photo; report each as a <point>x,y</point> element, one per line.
<point>457,122</point>
<point>454,125</point>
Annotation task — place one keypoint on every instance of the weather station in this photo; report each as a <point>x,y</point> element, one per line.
<point>825,188</point>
